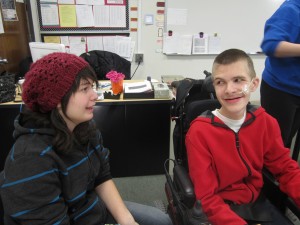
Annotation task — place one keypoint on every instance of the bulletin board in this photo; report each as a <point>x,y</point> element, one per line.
<point>117,11</point>
<point>238,23</point>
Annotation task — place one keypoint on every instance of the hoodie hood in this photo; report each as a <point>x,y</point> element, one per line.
<point>252,112</point>
<point>26,129</point>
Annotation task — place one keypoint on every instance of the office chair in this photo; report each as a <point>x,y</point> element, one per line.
<point>103,62</point>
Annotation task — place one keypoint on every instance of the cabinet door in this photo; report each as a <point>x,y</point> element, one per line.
<point>14,41</point>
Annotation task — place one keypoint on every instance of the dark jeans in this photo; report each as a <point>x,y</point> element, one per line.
<point>277,217</point>
<point>284,107</point>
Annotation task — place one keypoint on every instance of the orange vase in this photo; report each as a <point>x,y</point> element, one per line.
<point>117,87</point>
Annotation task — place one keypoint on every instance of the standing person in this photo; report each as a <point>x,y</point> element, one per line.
<point>57,171</point>
<point>280,87</point>
<point>227,149</point>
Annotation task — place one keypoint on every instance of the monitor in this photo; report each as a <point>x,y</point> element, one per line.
<point>40,49</point>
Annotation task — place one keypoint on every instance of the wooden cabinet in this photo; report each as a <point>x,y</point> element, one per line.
<point>14,41</point>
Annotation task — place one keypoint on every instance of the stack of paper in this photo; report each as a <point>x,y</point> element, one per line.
<point>137,87</point>
<point>138,90</point>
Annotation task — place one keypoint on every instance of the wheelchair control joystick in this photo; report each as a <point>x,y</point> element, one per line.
<point>197,216</point>
<point>197,211</point>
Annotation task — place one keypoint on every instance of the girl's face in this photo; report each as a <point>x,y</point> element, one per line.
<point>233,85</point>
<point>81,105</point>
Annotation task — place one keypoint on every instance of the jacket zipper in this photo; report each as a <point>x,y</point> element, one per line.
<point>237,143</point>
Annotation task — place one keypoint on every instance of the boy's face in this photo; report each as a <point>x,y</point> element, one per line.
<point>233,86</point>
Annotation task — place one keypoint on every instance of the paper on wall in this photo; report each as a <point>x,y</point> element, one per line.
<point>1,25</point>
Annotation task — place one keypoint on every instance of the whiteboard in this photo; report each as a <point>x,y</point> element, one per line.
<point>238,23</point>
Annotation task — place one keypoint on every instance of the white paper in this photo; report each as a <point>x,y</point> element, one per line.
<point>123,45</point>
<point>84,16</point>
<point>48,1</point>
<point>177,16</point>
<point>170,44</point>
<point>214,45</point>
<point>1,25</point>
<point>120,2</point>
<point>132,45</point>
<point>65,40</point>
<point>82,2</point>
<point>94,43</point>
<point>185,44</point>
<point>65,2</point>
<point>137,87</point>
<point>101,16</point>
<point>109,44</point>
<point>49,15</point>
<point>77,45</point>
<point>200,45</point>
<point>96,2</point>
<point>117,16</point>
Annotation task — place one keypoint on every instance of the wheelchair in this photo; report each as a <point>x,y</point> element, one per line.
<point>183,207</point>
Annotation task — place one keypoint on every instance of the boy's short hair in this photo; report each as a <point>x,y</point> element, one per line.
<point>231,56</point>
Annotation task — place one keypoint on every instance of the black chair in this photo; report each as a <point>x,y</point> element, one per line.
<point>1,212</point>
<point>183,207</point>
<point>103,62</point>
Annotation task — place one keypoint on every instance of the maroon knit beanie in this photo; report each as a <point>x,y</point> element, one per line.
<point>49,79</point>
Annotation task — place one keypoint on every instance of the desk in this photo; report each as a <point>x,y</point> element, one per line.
<point>137,132</point>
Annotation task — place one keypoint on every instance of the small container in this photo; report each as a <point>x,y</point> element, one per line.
<point>117,87</point>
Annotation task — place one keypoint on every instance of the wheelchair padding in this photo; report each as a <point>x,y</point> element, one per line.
<point>1,212</point>
<point>184,185</point>
<point>196,108</point>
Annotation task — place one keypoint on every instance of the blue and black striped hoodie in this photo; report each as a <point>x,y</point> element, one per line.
<point>40,186</point>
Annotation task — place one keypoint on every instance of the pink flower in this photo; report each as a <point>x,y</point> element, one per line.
<point>114,76</point>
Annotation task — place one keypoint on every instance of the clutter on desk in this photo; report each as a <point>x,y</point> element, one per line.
<point>138,90</point>
<point>110,95</point>
<point>161,90</point>
<point>7,87</point>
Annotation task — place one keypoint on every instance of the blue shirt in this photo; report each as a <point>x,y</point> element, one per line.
<point>284,25</point>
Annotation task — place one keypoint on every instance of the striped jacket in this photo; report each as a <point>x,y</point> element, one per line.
<point>40,186</point>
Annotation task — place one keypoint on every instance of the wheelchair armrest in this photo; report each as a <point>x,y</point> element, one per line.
<point>184,185</point>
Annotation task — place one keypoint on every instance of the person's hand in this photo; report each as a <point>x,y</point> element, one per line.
<point>128,220</point>
<point>130,223</point>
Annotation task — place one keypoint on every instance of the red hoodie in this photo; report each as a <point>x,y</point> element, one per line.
<point>225,165</point>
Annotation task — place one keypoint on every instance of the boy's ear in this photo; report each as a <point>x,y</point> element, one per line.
<point>254,84</point>
<point>58,106</point>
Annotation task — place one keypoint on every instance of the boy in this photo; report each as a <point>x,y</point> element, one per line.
<point>228,148</point>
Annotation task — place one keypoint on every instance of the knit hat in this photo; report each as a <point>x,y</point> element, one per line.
<point>49,79</point>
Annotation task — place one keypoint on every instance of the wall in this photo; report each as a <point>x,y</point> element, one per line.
<point>156,63</point>
<point>238,23</point>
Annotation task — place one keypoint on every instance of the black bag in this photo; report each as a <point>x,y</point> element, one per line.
<point>7,87</point>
